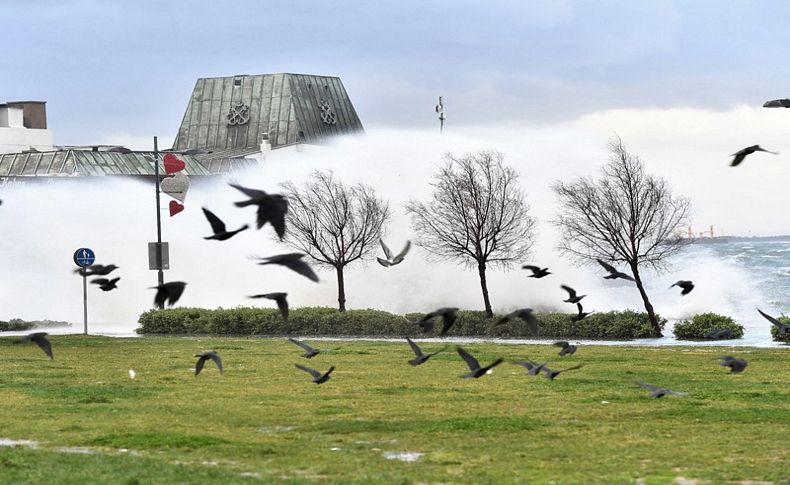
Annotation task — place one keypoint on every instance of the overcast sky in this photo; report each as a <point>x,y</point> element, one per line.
<point>110,68</point>
<point>547,81</point>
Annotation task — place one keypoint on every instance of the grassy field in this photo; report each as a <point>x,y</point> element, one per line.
<point>263,420</point>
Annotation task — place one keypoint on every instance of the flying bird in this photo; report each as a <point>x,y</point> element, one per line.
<point>421,357</point>
<point>474,366</point>
<point>449,316</point>
<point>220,232</point>
<point>720,334</point>
<point>40,339</point>
<point>581,314</point>
<point>782,328</point>
<point>106,284</point>
<point>551,374</point>
<point>206,356</point>
<point>735,364</point>
<point>656,392</point>
<point>318,377</point>
<point>96,270</point>
<point>613,273</point>
<point>524,314</point>
<point>533,367</point>
<point>310,352</point>
<point>279,297</point>
<point>537,271</point>
<point>271,208</point>
<point>572,298</point>
<point>169,292</point>
<point>392,261</point>
<point>741,154</point>
<point>292,261</point>
<point>567,348</point>
<point>686,285</point>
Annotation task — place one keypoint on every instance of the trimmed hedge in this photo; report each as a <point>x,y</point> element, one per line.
<point>17,324</point>
<point>321,321</point>
<point>702,323</point>
<point>775,331</point>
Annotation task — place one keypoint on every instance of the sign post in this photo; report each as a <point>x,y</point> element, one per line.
<point>84,257</point>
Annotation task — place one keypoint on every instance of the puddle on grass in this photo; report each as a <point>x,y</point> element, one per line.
<point>408,456</point>
<point>10,442</point>
<point>80,450</point>
<point>276,429</point>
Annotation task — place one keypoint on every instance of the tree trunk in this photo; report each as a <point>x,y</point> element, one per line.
<point>651,314</point>
<point>341,289</point>
<point>481,269</point>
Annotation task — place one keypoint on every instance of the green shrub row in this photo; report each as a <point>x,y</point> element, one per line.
<point>775,331</point>
<point>701,324</point>
<point>319,321</point>
<point>17,324</point>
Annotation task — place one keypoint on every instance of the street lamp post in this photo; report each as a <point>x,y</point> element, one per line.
<point>160,274</point>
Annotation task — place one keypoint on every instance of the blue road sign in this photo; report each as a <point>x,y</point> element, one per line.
<point>84,257</point>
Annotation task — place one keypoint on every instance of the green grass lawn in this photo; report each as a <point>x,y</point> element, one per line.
<point>263,420</point>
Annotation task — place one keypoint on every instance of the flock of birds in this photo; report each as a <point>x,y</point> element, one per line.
<point>272,209</point>
<point>476,370</point>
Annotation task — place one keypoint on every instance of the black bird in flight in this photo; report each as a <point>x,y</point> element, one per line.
<point>474,366</point>
<point>735,364</point>
<point>220,232</point>
<point>421,357</point>
<point>318,377</point>
<point>551,374</point>
<point>656,392</point>
<point>720,334</point>
<point>392,260</point>
<point>686,285</point>
<point>310,352</point>
<point>279,297</point>
<point>537,271</point>
<point>741,154</point>
<point>524,314</point>
<point>581,314</point>
<point>567,348</point>
<point>169,292</point>
<point>572,298</point>
<point>533,367</point>
<point>271,208</point>
<point>449,316</point>
<point>96,270</point>
<point>40,339</point>
<point>206,356</point>
<point>106,284</point>
<point>292,261</point>
<point>783,328</point>
<point>613,273</point>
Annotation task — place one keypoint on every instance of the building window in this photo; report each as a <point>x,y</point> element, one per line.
<point>237,82</point>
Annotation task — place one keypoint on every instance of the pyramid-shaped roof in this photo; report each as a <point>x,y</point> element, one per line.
<point>239,112</point>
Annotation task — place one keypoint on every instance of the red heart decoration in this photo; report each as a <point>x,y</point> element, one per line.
<point>173,164</point>
<point>175,207</point>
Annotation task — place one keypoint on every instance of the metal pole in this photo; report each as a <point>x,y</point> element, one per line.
<point>85,298</point>
<point>160,274</point>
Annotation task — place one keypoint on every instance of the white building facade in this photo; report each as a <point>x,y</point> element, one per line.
<point>23,126</point>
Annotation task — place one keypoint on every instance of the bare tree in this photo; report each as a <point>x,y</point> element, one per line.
<point>477,216</point>
<point>625,216</point>
<point>334,224</point>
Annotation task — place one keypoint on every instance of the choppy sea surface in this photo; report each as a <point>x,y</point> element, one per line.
<point>733,278</point>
